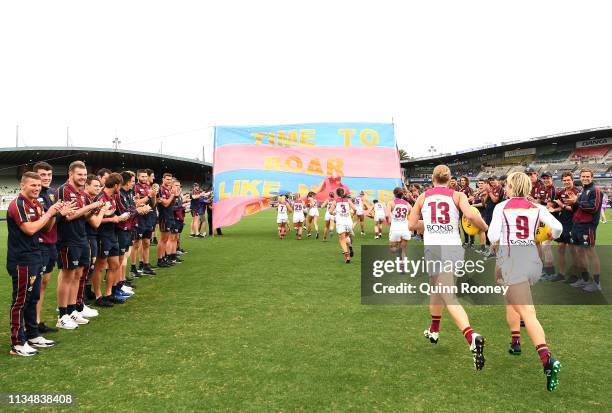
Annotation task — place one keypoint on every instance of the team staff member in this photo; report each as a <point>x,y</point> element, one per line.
<point>48,251</point>
<point>587,210</point>
<point>73,246</point>
<point>564,213</point>
<point>25,220</point>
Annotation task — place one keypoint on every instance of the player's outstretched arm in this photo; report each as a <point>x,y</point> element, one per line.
<point>548,219</point>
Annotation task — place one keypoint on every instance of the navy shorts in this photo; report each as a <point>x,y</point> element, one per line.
<point>166,225</point>
<point>143,230</point>
<point>108,247</point>
<point>49,257</point>
<point>566,235</point>
<point>177,228</point>
<point>124,239</point>
<point>583,235</point>
<point>73,256</point>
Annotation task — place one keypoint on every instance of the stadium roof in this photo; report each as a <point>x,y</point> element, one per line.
<point>114,159</point>
<point>603,132</point>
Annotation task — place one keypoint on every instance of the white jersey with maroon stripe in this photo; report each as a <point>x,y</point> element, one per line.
<point>440,217</point>
<point>515,221</point>
<point>379,211</point>
<point>359,205</point>
<point>282,210</point>
<point>399,215</point>
<point>343,212</point>
<point>514,224</point>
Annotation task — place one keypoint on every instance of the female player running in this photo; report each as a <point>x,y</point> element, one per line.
<point>341,208</point>
<point>440,208</point>
<point>329,218</point>
<point>379,218</point>
<point>399,234</point>
<point>514,225</point>
<point>313,214</point>
<point>298,215</point>
<point>360,205</point>
<point>282,215</point>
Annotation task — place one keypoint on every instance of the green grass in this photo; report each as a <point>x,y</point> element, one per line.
<point>252,323</point>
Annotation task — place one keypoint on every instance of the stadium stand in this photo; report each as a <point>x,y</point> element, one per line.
<point>571,151</point>
<point>15,161</point>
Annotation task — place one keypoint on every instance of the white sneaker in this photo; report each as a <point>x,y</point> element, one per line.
<point>127,290</point>
<point>22,350</point>
<point>89,312</point>
<point>78,318</point>
<point>579,284</point>
<point>592,287</point>
<point>66,323</point>
<point>41,342</point>
<point>432,336</point>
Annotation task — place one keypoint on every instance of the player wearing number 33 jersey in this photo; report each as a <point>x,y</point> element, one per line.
<point>398,212</point>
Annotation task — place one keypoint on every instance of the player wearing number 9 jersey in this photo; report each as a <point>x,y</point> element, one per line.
<point>440,207</point>
<point>514,225</point>
<point>342,207</point>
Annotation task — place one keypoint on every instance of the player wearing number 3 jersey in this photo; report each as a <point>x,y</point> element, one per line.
<point>342,207</point>
<point>439,207</point>
<point>514,225</point>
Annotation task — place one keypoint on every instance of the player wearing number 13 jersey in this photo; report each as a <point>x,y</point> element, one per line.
<point>514,225</point>
<point>440,207</point>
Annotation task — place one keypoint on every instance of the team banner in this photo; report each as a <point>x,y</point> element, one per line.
<point>256,163</point>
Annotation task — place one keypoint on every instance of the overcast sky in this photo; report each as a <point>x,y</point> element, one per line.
<point>452,74</point>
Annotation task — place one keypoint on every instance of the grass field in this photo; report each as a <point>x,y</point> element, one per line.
<point>252,323</point>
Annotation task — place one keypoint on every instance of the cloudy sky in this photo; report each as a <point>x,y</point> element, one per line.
<point>450,74</point>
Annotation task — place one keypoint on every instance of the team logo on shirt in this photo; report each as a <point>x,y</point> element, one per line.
<point>52,197</point>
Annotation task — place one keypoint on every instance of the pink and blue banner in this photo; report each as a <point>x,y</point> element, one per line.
<point>253,164</point>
